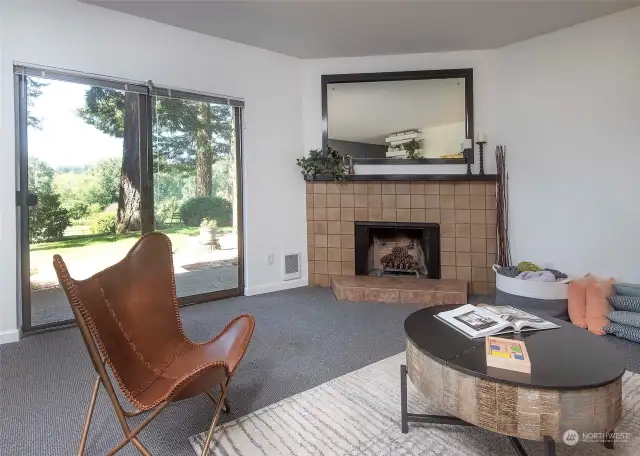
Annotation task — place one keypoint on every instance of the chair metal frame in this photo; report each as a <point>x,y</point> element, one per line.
<point>130,435</point>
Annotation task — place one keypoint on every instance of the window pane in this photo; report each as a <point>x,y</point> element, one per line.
<point>195,192</point>
<point>84,167</point>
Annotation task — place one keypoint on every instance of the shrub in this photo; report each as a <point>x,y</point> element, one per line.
<point>104,223</point>
<point>206,223</point>
<point>212,207</point>
<point>94,208</point>
<point>48,219</point>
<point>78,210</point>
<point>165,209</point>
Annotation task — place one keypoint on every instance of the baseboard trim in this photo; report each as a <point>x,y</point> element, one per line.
<point>277,286</point>
<point>9,336</point>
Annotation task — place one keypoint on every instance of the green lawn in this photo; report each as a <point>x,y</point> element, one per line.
<point>99,251</point>
<point>177,233</point>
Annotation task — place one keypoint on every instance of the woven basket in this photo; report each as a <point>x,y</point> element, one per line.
<point>542,298</point>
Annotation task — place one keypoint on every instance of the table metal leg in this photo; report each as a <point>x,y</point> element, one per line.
<point>517,446</point>
<point>549,446</point>
<point>420,418</point>
<point>609,440</point>
<point>403,398</point>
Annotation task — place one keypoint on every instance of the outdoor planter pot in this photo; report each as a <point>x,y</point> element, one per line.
<point>207,235</point>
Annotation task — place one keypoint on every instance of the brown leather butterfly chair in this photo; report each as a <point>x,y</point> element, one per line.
<point>129,320</point>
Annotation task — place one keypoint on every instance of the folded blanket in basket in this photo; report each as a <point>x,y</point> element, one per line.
<point>537,276</point>
<point>623,331</point>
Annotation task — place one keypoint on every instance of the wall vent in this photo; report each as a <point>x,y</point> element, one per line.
<point>291,266</point>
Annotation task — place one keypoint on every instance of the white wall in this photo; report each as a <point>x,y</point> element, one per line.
<point>571,122</point>
<point>486,95</point>
<point>72,35</point>
<point>8,306</point>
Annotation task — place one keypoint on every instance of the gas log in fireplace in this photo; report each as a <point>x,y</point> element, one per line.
<point>397,248</point>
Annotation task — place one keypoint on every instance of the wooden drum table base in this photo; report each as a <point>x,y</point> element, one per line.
<point>512,408</point>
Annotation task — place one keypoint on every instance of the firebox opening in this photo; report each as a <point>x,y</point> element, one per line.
<point>397,249</point>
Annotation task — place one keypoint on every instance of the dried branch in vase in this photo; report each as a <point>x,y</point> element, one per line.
<point>502,200</point>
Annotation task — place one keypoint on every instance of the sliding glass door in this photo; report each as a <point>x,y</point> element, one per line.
<point>101,162</point>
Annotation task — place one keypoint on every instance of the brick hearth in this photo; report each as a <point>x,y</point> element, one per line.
<point>425,292</point>
<point>466,212</point>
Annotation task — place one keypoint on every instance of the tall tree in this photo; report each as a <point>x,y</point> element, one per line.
<point>192,134</point>
<point>40,176</point>
<point>128,218</point>
<point>204,152</point>
<point>232,185</point>
<point>188,136</point>
<point>116,114</point>
<point>106,182</point>
<point>34,90</point>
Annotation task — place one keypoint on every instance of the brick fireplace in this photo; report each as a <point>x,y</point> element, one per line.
<point>465,212</point>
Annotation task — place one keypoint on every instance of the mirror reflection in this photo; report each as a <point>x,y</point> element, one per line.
<point>409,119</point>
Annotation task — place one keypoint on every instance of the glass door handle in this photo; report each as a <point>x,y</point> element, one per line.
<point>32,199</point>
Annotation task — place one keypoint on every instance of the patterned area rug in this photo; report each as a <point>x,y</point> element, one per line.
<point>359,414</point>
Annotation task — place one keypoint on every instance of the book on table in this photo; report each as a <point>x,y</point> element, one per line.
<point>486,320</point>
<point>507,354</point>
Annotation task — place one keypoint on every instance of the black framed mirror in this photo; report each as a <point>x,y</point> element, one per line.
<point>406,117</point>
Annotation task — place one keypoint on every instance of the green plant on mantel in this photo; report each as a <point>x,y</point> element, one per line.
<point>412,148</point>
<point>323,162</point>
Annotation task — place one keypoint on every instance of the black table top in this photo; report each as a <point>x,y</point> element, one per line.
<point>564,358</point>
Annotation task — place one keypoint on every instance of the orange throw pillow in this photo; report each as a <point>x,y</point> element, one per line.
<point>577,295</point>
<point>597,305</point>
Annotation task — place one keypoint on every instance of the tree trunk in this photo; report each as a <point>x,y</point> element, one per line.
<point>232,186</point>
<point>204,152</point>
<point>129,198</point>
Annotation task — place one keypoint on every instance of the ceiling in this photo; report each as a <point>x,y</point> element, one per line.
<point>316,29</point>
<point>368,112</point>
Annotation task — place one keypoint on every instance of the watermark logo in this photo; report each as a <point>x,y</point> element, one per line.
<point>570,437</point>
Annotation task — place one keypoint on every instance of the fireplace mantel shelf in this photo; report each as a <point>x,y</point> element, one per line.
<point>412,177</point>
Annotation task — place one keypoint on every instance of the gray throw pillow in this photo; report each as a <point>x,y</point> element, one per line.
<point>625,318</point>
<point>626,289</point>
<point>623,331</point>
<point>629,303</point>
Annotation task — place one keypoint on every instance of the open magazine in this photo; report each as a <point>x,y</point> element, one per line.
<point>485,320</point>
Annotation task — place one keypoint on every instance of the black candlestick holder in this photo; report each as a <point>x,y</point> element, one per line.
<point>481,147</point>
<point>467,153</point>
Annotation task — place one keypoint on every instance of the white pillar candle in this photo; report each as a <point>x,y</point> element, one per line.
<point>482,137</point>
<point>467,144</point>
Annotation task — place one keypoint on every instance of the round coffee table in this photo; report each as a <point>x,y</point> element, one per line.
<point>575,382</point>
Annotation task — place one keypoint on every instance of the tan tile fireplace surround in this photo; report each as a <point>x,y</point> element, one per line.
<point>466,212</point>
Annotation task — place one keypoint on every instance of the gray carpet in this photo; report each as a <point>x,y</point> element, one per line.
<point>303,338</point>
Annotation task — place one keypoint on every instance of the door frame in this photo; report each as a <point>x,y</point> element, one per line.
<point>146,180</point>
